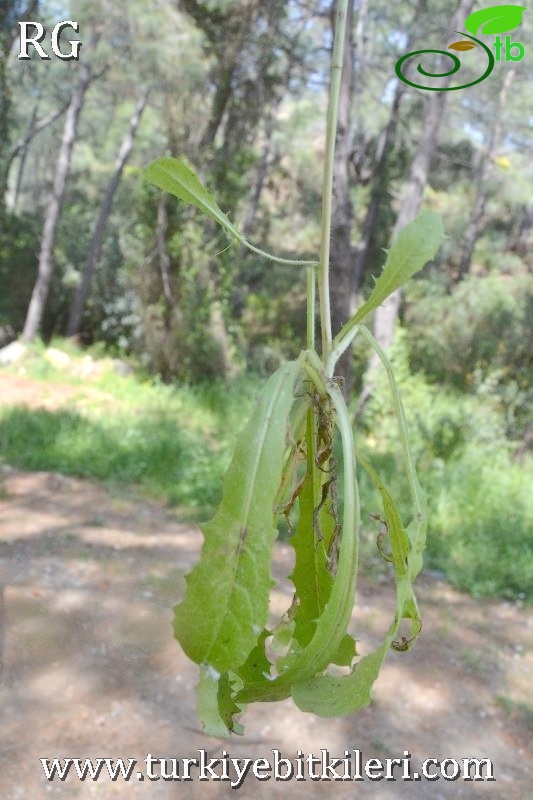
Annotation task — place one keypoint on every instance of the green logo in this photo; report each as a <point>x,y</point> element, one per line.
<point>486,21</point>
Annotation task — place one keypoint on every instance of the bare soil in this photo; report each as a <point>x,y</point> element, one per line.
<point>89,667</point>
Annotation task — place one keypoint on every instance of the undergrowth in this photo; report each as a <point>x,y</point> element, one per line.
<point>174,443</point>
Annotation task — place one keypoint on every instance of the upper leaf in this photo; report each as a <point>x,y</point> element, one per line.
<point>175,177</point>
<point>498,19</point>
<point>415,245</point>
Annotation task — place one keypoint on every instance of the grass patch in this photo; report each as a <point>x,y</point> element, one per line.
<point>173,443</point>
<point>176,464</point>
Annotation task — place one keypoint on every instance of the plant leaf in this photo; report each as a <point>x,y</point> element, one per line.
<point>497,19</point>
<point>214,704</point>
<point>464,44</point>
<point>328,643</point>
<point>311,579</point>
<point>175,177</point>
<point>226,603</point>
<point>327,695</point>
<point>415,245</point>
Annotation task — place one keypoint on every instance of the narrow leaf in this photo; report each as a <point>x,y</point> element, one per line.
<point>327,695</point>
<point>174,176</point>
<point>328,643</point>
<point>415,245</point>
<point>226,603</point>
<point>497,19</point>
<point>311,579</point>
<point>178,179</point>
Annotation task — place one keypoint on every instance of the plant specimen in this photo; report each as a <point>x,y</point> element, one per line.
<point>284,466</point>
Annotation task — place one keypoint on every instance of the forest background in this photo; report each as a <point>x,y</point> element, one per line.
<point>90,251</point>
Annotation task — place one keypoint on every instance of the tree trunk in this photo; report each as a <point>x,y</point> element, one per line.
<point>162,251</point>
<point>379,184</point>
<point>53,212</point>
<point>10,14</point>
<point>20,150</point>
<point>386,314</point>
<point>480,186</point>
<point>95,246</point>
<point>342,274</point>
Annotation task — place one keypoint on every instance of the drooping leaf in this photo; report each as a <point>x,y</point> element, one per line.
<point>415,245</point>
<point>328,695</point>
<point>310,576</point>
<point>226,603</point>
<point>175,177</point>
<point>464,44</point>
<point>328,643</point>
<point>497,19</point>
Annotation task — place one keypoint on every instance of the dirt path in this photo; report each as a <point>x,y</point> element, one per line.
<point>90,668</point>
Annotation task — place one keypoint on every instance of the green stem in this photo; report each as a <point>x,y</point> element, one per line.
<point>327,185</point>
<point>338,348</point>
<point>417,494</point>
<point>290,261</point>
<point>311,303</point>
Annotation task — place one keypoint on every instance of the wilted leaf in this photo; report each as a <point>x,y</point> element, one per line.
<point>498,19</point>
<point>328,695</point>
<point>464,44</point>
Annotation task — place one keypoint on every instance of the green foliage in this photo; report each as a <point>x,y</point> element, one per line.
<point>178,179</point>
<point>18,245</point>
<point>221,622</point>
<point>173,443</point>
<point>476,339</point>
<point>480,508</point>
<point>482,522</point>
<point>416,244</point>
<point>171,463</point>
<point>239,539</point>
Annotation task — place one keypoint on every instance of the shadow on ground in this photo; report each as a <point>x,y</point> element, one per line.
<point>89,668</point>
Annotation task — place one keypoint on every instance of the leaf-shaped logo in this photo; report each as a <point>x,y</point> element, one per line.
<point>498,19</point>
<point>464,44</point>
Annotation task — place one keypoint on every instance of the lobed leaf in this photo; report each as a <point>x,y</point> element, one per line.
<point>226,603</point>
<point>329,643</point>
<point>328,695</point>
